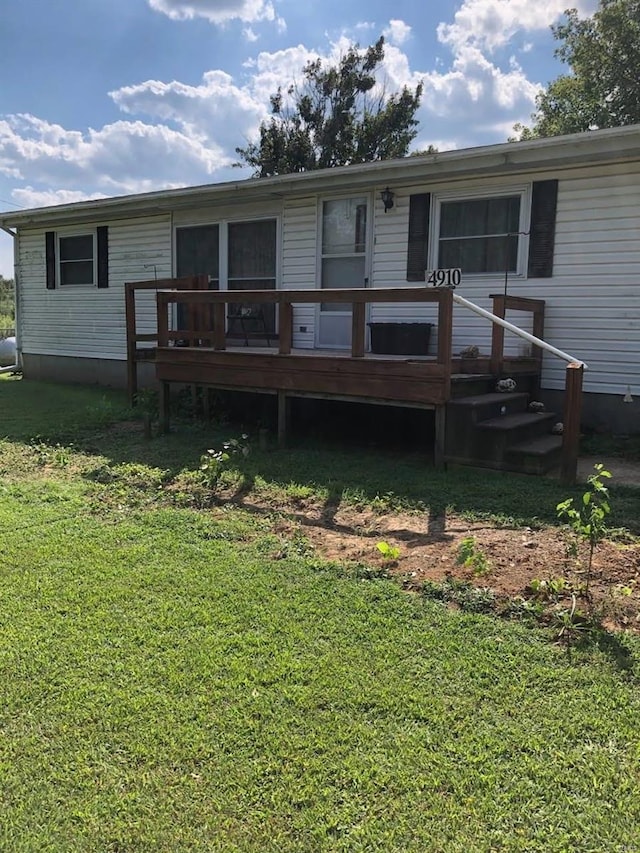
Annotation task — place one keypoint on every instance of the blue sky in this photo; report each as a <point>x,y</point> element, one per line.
<point>109,97</point>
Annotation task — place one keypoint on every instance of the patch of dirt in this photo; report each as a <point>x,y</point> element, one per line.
<point>428,550</point>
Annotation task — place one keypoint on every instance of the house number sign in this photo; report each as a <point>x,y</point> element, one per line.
<point>449,278</point>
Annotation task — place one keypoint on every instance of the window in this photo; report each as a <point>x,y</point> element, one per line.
<point>235,256</point>
<point>76,259</point>
<point>484,234</point>
<point>197,252</point>
<point>251,264</point>
<point>480,235</point>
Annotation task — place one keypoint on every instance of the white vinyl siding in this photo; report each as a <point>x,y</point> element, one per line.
<point>299,262</point>
<point>90,322</point>
<point>593,298</point>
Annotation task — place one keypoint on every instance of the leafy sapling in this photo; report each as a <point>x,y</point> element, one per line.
<point>389,552</point>
<point>587,517</point>
<point>472,557</point>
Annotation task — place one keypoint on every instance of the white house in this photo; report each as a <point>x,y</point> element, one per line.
<point>553,219</point>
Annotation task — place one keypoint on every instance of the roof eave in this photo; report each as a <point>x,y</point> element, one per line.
<point>605,146</point>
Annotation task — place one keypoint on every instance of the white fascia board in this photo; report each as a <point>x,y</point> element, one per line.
<point>508,158</point>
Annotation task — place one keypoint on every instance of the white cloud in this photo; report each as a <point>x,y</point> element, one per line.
<point>365,26</point>
<point>123,157</point>
<point>490,24</point>
<point>218,112</point>
<point>30,197</point>
<point>249,34</point>
<point>216,11</point>
<point>397,32</point>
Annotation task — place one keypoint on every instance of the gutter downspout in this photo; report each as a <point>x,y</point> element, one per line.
<point>12,368</point>
<point>516,331</point>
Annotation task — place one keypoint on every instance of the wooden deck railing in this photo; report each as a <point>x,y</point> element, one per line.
<point>573,376</point>
<point>208,312</point>
<point>501,303</point>
<point>135,353</point>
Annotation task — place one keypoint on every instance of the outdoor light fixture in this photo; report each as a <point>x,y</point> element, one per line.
<point>387,199</point>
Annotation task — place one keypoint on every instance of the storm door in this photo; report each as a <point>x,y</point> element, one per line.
<point>343,265</point>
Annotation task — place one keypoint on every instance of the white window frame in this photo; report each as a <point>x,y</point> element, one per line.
<point>521,190</point>
<point>223,244</point>
<point>63,235</point>
<point>223,250</point>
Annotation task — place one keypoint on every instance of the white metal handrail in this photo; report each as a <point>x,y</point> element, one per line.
<point>517,331</point>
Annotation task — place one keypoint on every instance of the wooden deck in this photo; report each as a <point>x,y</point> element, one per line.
<point>421,382</point>
<point>203,355</point>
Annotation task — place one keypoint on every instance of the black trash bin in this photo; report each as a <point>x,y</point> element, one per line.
<point>400,338</point>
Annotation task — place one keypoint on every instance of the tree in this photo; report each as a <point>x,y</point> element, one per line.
<point>603,89</point>
<point>337,117</point>
<point>7,305</point>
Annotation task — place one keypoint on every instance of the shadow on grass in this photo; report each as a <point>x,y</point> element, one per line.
<point>91,419</point>
<point>614,646</point>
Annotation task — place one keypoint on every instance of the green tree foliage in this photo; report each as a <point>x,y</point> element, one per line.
<point>603,89</point>
<point>7,305</point>
<point>335,118</point>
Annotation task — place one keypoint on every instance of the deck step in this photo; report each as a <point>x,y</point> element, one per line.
<point>536,456</point>
<point>538,446</point>
<point>475,401</point>
<point>516,421</point>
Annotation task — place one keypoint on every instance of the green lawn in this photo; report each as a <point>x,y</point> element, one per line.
<point>182,679</point>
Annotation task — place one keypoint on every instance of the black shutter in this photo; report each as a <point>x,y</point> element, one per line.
<point>103,256</point>
<point>418,245</point>
<point>544,201</point>
<point>50,255</point>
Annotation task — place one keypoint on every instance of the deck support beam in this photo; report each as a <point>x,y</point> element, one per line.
<point>165,398</point>
<point>440,414</point>
<point>283,419</point>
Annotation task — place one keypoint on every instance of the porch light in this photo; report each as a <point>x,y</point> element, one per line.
<point>387,199</point>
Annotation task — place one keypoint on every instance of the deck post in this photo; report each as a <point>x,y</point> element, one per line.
<point>440,437</point>
<point>497,334</point>
<point>164,400</point>
<point>571,423</point>
<point>285,327</point>
<point>445,336</point>
<point>357,329</point>
<point>132,366</point>
<point>219,321</point>
<point>283,419</point>
<point>163,319</point>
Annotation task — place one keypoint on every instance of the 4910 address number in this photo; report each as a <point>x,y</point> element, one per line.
<point>444,278</point>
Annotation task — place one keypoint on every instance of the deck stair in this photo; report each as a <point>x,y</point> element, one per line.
<point>496,430</point>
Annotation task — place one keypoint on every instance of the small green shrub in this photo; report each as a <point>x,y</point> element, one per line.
<point>389,552</point>
<point>214,462</point>
<point>549,589</point>
<point>472,557</point>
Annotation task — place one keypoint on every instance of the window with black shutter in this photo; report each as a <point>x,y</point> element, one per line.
<point>484,234</point>
<point>77,259</point>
